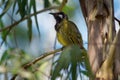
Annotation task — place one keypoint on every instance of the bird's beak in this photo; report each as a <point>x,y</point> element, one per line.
<point>52,14</point>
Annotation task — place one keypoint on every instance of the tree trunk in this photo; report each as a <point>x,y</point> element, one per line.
<point>99,17</point>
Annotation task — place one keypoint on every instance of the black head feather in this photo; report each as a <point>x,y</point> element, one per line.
<point>59,16</point>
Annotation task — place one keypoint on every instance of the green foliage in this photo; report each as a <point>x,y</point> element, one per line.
<point>13,56</point>
<point>21,7</point>
<point>16,54</point>
<point>73,61</point>
<point>4,33</point>
<point>68,9</point>
<point>7,6</point>
<point>29,22</point>
<point>46,3</point>
<point>13,60</point>
<point>33,4</point>
<point>1,26</point>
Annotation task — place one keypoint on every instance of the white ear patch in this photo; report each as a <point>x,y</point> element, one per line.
<point>61,16</point>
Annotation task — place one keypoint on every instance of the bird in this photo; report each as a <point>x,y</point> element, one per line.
<point>67,31</point>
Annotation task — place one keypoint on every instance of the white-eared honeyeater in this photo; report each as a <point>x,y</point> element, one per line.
<point>67,31</point>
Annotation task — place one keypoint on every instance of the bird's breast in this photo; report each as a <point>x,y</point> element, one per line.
<point>61,38</point>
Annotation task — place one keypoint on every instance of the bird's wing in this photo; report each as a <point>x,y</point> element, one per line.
<point>74,34</point>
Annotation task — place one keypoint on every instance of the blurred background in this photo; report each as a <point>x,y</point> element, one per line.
<point>24,38</point>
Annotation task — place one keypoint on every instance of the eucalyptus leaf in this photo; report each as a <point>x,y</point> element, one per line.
<point>13,8</point>
<point>29,22</point>
<point>4,57</point>
<point>7,6</point>
<point>46,3</point>
<point>33,3</point>
<point>22,5</point>
<point>3,33</point>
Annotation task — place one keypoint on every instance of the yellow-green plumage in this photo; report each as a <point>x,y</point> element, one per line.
<point>67,31</point>
<point>69,34</point>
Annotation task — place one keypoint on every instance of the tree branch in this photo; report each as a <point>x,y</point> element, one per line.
<point>37,59</point>
<point>117,20</point>
<point>62,4</point>
<point>14,24</point>
<point>83,8</point>
<point>41,57</point>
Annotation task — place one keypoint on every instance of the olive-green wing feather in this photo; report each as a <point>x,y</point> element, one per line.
<point>74,34</point>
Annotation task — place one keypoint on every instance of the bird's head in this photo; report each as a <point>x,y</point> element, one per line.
<point>59,16</point>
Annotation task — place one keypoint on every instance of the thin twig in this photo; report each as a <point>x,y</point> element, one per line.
<point>14,24</point>
<point>43,73</point>
<point>41,57</point>
<point>38,59</point>
<point>62,5</point>
<point>117,20</point>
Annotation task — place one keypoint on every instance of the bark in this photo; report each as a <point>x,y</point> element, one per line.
<point>99,17</point>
